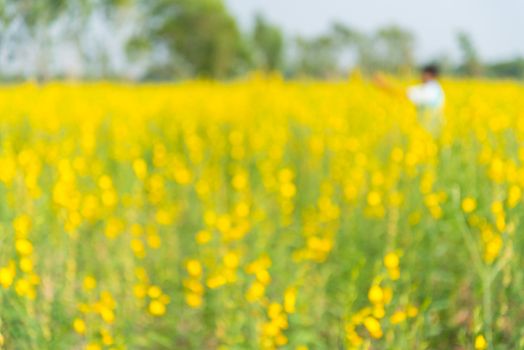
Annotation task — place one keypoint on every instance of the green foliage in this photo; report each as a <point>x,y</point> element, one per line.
<point>36,13</point>
<point>178,39</point>
<point>389,49</point>
<point>268,45</point>
<point>316,57</point>
<point>471,65</point>
<point>199,32</point>
<point>507,69</point>
<point>394,49</point>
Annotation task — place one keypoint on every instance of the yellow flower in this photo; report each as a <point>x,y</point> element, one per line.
<point>270,329</point>
<point>157,308</point>
<point>514,196</point>
<point>469,204</point>
<point>398,317</point>
<point>411,311</point>
<point>242,209</point>
<point>394,274</point>
<point>7,275</point>
<point>500,222</point>
<point>140,291</point>
<point>391,261</point>
<point>376,294</point>
<point>388,295</point>
<point>23,246</point>
<point>353,337</point>
<point>290,297</point>
<point>23,287</point>
<point>79,326</point>
<point>203,237</point>
<point>84,308</point>
<point>216,281</point>
<point>239,181</point>
<point>138,248</point>
<point>107,314</point>
<point>288,190</point>
<point>493,248</point>
<point>497,207</point>
<point>89,283</point>
<point>274,310</point>
<point>26,264</point>
<point>281,340</point>
<point>255,291</point>
<point>107,299</point>
<point>379,311</point>
<point>154,292</point>
<point>263,276</point>
<point>93,346</point>
<point>223,223</point>
<point>194,300</point>
<point>480,343</point>
<point>107,339</point>
<point>373,327</point>
<point>194,285</point>
<point>140,168</point>
<point>374,198</point>
<point>114,227</point>
<point>194,268</point>
<point>22,225</point>
<point>231,260</point>
<point>154,241</point>
<point>163,217</point>
<point>164,299</point>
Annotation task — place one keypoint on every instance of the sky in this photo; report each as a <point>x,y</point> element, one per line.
<point>496,26</point>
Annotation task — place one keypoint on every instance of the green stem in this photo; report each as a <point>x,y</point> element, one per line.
<point>486,275</point>
<point>488,309</point>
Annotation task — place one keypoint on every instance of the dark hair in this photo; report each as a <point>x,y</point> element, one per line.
<point>432,69</point>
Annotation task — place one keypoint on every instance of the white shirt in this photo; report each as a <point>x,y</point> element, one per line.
<point>427,95</point>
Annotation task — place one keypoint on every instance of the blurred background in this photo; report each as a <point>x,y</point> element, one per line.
<point>179,39</point>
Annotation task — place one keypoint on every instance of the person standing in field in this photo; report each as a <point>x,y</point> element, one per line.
<point>428,97</point>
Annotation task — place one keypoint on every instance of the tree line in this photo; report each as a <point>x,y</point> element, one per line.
<point>180,39</point>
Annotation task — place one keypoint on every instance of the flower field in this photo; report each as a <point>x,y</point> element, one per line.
<point>260,214</point>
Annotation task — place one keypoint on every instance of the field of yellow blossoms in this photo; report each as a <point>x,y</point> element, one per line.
<point>259,214</point>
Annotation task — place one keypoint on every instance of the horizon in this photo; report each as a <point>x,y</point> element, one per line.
<point>492,26</point>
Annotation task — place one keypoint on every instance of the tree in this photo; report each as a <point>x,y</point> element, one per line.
<point>198,34</point>
<point>507,69</point>
<point>37,17</point>
<point>36,32</point>
<point>389,49</point>
<point>351,45</point>
<point>394,49</point>
<point>268,45</point>
<point>317,57</point>
<point>471,64</point>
